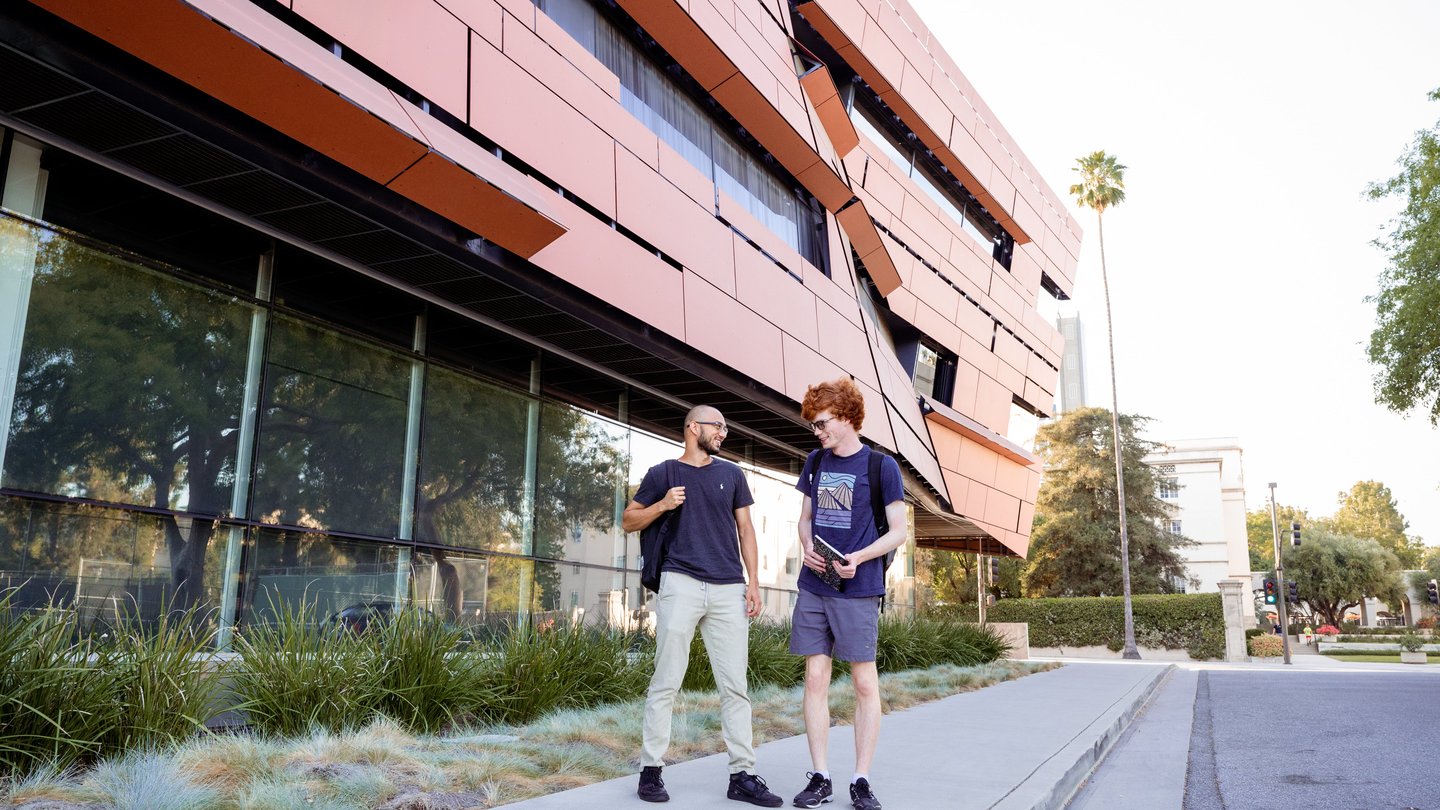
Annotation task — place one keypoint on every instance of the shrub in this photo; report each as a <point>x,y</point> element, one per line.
<point>1327,630</point>
<point>1252,632</point>
<point>1192,622</point>
<point>1427,623</point>
<point>1266,646</point>
<point>1410,642</point>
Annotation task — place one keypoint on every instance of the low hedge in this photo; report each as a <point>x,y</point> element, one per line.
<point>1194,622</point>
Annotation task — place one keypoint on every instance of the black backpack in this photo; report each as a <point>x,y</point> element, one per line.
<point>655,538</point>
<point>877,502</point>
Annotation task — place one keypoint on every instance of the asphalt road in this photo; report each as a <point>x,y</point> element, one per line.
<point>1248,739</point>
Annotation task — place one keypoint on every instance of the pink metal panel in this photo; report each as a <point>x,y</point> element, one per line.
<point>1001,509</point>
<point>947,446</point>
<point>1009,301</point>
<point>967,380</point>
<point>1026,523</point>
<point>547,31</point>
<point>975,497</point>
<point>668,219</point>
<point>916,90</point>
<point>903,302</point>
<point>805,367</point>
<point>483,17</point>
<point>517,112</point>
<point>774,294</point>
<point>885,189</point>
<point>978,462</point>
<point>1011,477</point>
<point>973,322</point>
<point>978,354</point>
<point>1032,490</point>
<point>386,31</point>
<point>1037,396</point>
<point>992,405</point>
<point>939,328</point>
<point>739,217</point>
<point>721,327</point>
<point>877,420</point>
<point>844,344</point>
<point>882,54</point>
<point>686,177</point>
<point>831,294</point>
<point>1012,378</point>
<point>959,487</point>
<point>604,262</point>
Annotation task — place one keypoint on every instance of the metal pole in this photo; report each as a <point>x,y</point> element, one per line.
<point>1281,592</point>
<point>980,586</point>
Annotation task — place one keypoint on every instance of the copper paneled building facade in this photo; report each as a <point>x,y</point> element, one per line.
<point>374,301</point>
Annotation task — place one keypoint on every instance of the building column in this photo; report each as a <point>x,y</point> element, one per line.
<point>245,452</point>
<point>24,194</point>
<point>1233,593</point>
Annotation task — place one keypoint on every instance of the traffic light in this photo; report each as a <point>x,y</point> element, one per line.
<point>994,570</point>
<point>1269,591</point>
<point>1295,533</point>
<point>1432,592</point>
<point>1292,592</point>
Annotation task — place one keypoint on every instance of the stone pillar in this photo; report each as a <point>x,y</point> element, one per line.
<point>1233,593</point>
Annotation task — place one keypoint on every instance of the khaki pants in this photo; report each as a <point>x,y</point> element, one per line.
<point>719,611</point>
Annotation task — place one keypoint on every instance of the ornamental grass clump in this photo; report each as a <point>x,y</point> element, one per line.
<point>68,698</point>
<point>1411,642</point>
<point>428,675</point>
<point>532,670</point>
<point>298,674</point>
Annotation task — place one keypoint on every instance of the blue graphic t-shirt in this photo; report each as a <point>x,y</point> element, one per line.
<point>842,514</point>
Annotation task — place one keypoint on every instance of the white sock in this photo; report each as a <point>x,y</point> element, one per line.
<point>860,776</point>
<point>822,774</point>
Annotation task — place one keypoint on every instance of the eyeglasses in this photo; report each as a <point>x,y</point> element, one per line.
<point>719,426</point>
<point>819,424</point>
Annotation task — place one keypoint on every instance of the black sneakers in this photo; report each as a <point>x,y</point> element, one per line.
<point>652,787</point>
<point>747,787</point>
<point>816,793</point>
<point>861,797</point>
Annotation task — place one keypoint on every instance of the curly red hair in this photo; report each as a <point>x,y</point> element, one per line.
<point>842,398</point>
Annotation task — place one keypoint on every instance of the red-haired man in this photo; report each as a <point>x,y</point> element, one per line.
<point>842,624</point>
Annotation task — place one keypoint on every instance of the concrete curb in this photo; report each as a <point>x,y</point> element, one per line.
<point>1059,778</point>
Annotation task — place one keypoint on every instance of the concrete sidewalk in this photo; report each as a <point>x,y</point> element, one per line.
<point>1027,743</point>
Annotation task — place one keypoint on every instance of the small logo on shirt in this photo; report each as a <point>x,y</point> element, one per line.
<point>722,486</point>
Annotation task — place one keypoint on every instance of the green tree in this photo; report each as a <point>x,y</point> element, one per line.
<point>1334,572</point>
<point>1405,345</point>
<point>1260,534</point>
<point>1073,550</point>
<point>1102,186</point>
<point>1369,510</point>
<point>949,576</point>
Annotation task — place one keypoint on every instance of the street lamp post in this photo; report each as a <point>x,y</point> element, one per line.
<point>1281,593</point>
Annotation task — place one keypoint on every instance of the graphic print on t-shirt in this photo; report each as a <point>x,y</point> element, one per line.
<point>833,499</point>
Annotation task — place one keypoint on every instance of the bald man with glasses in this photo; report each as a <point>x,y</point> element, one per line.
<point>702,585</point>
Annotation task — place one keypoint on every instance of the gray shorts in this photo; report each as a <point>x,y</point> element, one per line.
<point>841,628</point>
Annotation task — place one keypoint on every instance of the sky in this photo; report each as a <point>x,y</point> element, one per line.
<point>1240,261</point>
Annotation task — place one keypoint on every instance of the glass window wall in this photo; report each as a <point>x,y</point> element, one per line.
<point>331,449</point>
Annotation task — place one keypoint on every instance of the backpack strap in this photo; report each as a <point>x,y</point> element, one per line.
<point>877,495</point>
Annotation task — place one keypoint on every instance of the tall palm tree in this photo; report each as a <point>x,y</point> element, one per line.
<point>1101,186</point>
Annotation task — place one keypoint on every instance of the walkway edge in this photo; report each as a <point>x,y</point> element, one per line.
<point>1065,772</point>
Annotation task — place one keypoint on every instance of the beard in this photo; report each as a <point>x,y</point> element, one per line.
<point>711,447</point>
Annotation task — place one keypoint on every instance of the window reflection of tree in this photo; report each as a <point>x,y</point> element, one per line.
<point>129,390</point>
